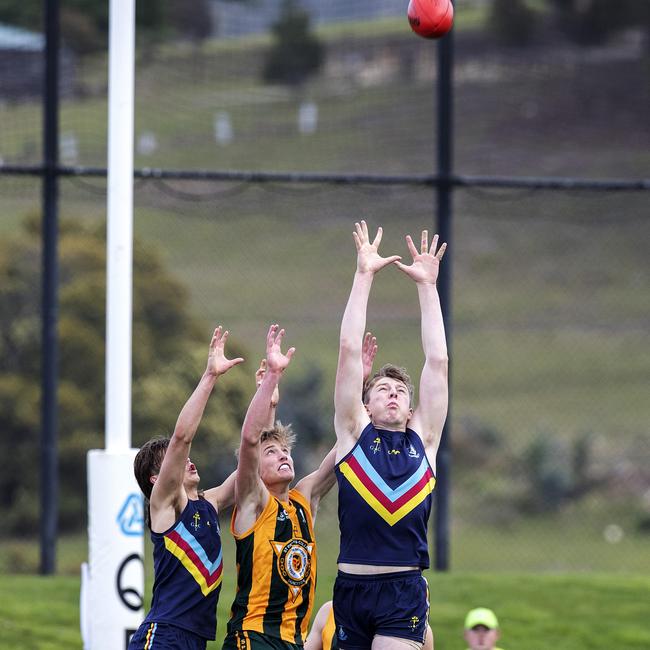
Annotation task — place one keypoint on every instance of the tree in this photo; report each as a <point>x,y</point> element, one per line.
<point>191,19</point>
<point>296,53</point>
<point>169,352</point>
<point>589,22</point>
<point>512,22</point>
<point>84,23</point>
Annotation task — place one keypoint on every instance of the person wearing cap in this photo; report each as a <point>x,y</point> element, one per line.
<point>481,629</point>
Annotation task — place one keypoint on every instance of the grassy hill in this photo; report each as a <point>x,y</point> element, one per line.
<point>550,305</point>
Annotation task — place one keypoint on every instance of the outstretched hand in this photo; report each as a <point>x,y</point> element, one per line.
<point>368,258</point>
<point>259,376</point>
<point>276,360</point>
<point>217,362</point>
<point>368,354</point>
<point>426,263</point>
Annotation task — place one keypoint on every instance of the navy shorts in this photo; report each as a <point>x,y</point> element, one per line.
<point>386,604</point>
<point>162,636</point>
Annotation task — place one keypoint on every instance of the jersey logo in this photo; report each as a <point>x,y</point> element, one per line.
<point>341,634</point>
<point>414,622</point>
<point>196,521</point>
<point>412,452</point>
<point>283,516</point>
<point>294,563</point>
<point>375,447</point>
<point>394,452</point>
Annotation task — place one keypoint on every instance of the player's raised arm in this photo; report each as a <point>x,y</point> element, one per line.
<point>275,398</point>
<point>349,411</point>
<point>429,416</point>
<point>168,497</point>
<point>368,354</point>
<point>251,495</point>
<point>223,496</point>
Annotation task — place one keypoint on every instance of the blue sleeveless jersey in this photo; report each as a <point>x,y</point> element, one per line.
<point>188,567</point>
<point>385,486</point>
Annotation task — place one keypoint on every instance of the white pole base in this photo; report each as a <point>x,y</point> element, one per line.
<point>112,589</point>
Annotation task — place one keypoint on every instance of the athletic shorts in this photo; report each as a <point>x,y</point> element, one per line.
<point>386,604</point>
<point>162,636</point>
<point>245,640</point>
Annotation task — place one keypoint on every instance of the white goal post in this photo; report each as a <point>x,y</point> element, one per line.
<point>112,590</point>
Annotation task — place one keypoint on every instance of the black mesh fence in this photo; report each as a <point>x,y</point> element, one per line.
<point>550,356</point>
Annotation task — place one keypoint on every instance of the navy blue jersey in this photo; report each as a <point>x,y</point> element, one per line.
<point>188,567</point>
<point>385,486</point>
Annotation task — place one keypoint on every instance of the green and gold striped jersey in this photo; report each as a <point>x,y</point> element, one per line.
<point>276,571</point>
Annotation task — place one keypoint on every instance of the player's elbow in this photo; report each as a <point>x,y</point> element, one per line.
<point>438,363</point>
<point>182,435</point>
<point>349,346</point>
<point>250,436</point>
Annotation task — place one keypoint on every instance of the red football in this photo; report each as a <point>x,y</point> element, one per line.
<point>430,18</point>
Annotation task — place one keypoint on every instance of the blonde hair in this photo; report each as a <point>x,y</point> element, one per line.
<point>280,433</point>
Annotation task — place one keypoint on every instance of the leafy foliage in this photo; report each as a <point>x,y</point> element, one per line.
<point>512,22</point>
<point>169,354</point>
<point>296,53</point>
<point>84,23</point>
<point>593,21</point>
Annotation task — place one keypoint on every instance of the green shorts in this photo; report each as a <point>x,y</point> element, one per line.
<point>245,640</point>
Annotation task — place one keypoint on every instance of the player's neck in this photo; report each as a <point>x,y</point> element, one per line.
<point>280,491</point>
<point>389,426</point>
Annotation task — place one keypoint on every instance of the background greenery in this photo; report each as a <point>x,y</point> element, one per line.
<point>550,362</point>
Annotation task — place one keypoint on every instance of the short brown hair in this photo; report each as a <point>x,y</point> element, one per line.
<point>146,464</point>
<point>393,372</point>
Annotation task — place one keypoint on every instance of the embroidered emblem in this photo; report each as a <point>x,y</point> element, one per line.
<point>375,448</point>
<point>294,563</point>
<point>414,622</point>
<point>197,521</point>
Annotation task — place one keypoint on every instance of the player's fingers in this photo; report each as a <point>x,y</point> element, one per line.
<point>411,246</point>
<point>271,334</point>
<point>389,260</point>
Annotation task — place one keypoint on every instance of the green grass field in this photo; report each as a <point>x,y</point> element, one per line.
<point>571,590</point>
<point>550,301</point>
<point>537,612</point>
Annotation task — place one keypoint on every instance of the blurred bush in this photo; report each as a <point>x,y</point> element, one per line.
<point>169,355</point>
<point>512,22</point>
